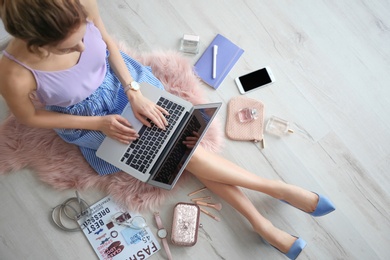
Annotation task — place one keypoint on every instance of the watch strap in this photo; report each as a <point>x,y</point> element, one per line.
<point>131,86</point>
<point>164,240</point>
<point>158,220</point>
<point>166,247</point>
<point>127,88</point>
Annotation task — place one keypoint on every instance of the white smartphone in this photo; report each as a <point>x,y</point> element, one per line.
<point>254,80</point>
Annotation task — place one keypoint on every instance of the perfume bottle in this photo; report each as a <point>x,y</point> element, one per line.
<point>278,126</point>
<point>189,44</point>
<point>247,114</point>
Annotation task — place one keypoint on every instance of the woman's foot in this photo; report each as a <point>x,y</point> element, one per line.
<point>296,248</point>
<point>324,206</point>
<point>307,201</point>
<point>290,246</point>
<point>287,244</point>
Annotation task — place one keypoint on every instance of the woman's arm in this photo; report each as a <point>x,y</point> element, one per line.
<point>16,84</point>
<point>142,107</point>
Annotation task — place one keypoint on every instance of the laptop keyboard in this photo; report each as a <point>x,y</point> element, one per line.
<point>141,152</point>
<point>172,163</point>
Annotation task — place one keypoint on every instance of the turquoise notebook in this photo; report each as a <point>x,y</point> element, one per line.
<point>228,55</point>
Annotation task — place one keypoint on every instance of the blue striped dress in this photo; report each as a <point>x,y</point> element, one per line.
<point>108,99</point>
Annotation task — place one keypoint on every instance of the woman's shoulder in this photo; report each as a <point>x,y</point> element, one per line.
<point>14,77</point>
<point>16,49</point>
<point>89,5</point>
<point>92,9</point>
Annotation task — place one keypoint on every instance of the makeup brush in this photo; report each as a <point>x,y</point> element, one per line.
<point>201,198</point>
<point>197,191</point>
<point>209,214</point>
<point>217,206</point>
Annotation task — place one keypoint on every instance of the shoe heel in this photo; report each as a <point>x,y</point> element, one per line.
<point>296,248</point>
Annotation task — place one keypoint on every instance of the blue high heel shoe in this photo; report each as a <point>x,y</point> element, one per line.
<point>324,206</point>
<point>296,248</point>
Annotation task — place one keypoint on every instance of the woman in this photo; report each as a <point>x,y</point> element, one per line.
<point>62,52</point>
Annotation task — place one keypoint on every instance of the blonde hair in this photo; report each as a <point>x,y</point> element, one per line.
<point>41,22</point>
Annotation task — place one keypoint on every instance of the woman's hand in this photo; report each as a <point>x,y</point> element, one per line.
<point>143,108</point>
<point>118,128</point>
<point>190,141</point>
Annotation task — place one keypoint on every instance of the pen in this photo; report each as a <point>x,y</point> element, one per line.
<point>215,52</point>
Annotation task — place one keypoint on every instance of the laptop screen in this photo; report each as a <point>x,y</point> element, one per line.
<point>179,154</point>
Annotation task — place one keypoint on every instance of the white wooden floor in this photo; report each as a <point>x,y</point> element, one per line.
<point>331,60</point>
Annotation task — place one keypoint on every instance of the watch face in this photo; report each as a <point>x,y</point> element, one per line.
<point>162,233</point>
<point>134,85</point>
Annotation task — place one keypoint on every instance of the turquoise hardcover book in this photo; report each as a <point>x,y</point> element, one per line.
<point>227,55</point>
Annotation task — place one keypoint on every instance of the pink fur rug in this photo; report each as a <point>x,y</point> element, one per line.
<point>62,166</point>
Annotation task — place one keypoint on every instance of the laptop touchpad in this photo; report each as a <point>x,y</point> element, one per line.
<point>129,115</point>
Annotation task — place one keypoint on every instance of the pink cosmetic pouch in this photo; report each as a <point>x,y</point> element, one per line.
<point>185,224</point>
<point>249,131</point>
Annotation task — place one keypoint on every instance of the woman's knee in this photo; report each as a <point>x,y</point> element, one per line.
<point>198,158</point>
<point>195,159</point>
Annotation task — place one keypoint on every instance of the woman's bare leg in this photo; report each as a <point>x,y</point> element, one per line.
<point>209,166</point>
<point>238,200</point>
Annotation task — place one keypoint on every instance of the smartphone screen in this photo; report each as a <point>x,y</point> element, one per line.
<point>255,79</point>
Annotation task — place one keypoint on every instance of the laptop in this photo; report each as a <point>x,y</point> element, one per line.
<point>159,157</point>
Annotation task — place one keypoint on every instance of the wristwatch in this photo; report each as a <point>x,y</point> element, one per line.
<point>162,233</point>
<point>134,85</point>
